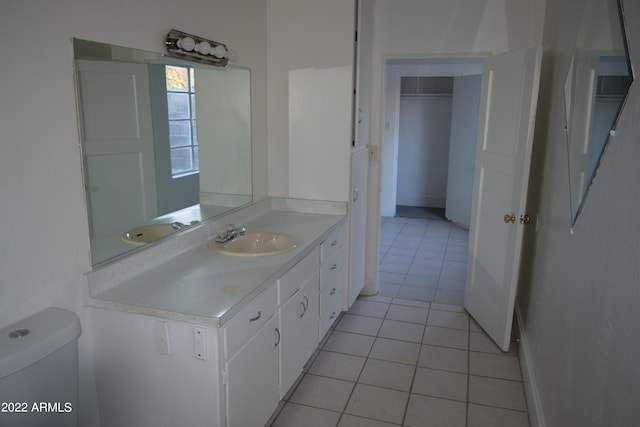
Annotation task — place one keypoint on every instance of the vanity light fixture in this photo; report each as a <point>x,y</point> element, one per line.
<point>187,46</point>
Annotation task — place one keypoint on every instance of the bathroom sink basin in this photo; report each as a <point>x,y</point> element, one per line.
<point>147,233</point>
<point>255,243</point>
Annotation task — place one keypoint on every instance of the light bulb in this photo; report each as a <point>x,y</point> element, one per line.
<point>232,55</point>
<point>219,51</point>
<point>187,44</point>
<point>204,48</point>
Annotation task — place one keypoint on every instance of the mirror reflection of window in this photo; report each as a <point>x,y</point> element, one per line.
<point>183,140</point>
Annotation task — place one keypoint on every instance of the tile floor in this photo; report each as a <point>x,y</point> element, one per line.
<point>410,356</point>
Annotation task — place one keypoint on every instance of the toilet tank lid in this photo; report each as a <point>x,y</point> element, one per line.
<point>49,330</point>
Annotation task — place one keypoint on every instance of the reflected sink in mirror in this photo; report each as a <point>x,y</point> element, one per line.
<point>148,233</point>
<point>255,243</point>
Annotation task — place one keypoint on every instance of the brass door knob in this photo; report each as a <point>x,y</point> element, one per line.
<point>525,219</point>
<point>510,218</point>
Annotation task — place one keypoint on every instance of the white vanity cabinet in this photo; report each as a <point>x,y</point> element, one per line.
<point>154,369</point>
<point>252,338</point>
<point>299,318</point>
<point>252,379</point>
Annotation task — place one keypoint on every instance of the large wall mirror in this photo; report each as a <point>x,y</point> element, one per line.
<point>597,83</point>
<point>166,144</point>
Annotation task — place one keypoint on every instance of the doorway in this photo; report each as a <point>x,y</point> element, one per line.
<point>429,137</point>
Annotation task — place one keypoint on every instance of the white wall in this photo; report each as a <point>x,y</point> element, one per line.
<point>302,35</point>
<point>423,150</point>
<point>44,240</point>
<point>428,28</point>
<point>580,292</point>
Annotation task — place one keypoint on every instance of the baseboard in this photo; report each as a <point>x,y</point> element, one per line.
<point>536,416</point>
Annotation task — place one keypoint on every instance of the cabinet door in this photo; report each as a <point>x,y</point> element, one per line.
<point>252,379</point>
<point>358,223</point>
<point>300,321</point>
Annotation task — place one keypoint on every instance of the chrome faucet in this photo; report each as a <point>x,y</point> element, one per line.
<point>230,233</point>
<point>177,225</point>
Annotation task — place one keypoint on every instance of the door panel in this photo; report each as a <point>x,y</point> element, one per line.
<point>117,135</point>
<point>507,117</point>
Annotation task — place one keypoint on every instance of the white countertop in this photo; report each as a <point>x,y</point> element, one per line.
<point>201,286</point>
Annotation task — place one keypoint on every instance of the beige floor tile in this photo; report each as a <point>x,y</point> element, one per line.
<point>377,403</point>
<point>445,296</point>
<point>448,307</point>
<point>447,359</point>
<point>388,290</point>
<point>411,303</point>
<point>386,374</point>
<point>446,337</point>
<point>359,324</point>
<point>393,268</point>
<point>407,314</point>
<point>397,259</point>
<point>424,270</point>
<point>403,331</point>
<point>395,351</point>
<point>495,392</point>
<point>494,365</point>
<point>430,411</point>
<point>337,365</point>
<point>448,319</point>
<point>421,281</point>
<point>345,342</point>
<point>323,392</point>
<point>376,298</point>
<point>480,341</point>
<point>444,384</point>
<point>486,416</point>
<point>294,415</point>
<point>368,308</point>
<point>451,284</point>
<point>473,325</point>
<point>416,293</point>
<point>393,278</point>
<point>353,421</point>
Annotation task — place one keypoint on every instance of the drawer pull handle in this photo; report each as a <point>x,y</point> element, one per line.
<point>303,310</point>
<point>333,267</point>
<point>335,242</point>
<point>278,335</point>
<point>253,319</point>
<point>333,315</point>
<point>304,302</point>
<point>333,291</point>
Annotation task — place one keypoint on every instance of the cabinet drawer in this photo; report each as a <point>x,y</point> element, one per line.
<point>332,271</point>
<point>246,323</point>
<point>330,316</point>
<point>300,274</point>
<point>330,298</point>
<point>332,244</point>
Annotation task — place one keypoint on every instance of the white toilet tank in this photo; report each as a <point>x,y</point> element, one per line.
<point>39,370</point>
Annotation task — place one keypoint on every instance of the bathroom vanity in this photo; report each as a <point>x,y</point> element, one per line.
<point>187,336</point>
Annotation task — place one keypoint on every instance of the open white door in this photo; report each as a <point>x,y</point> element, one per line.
<point>505,134</point>
<point>117,136</point>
